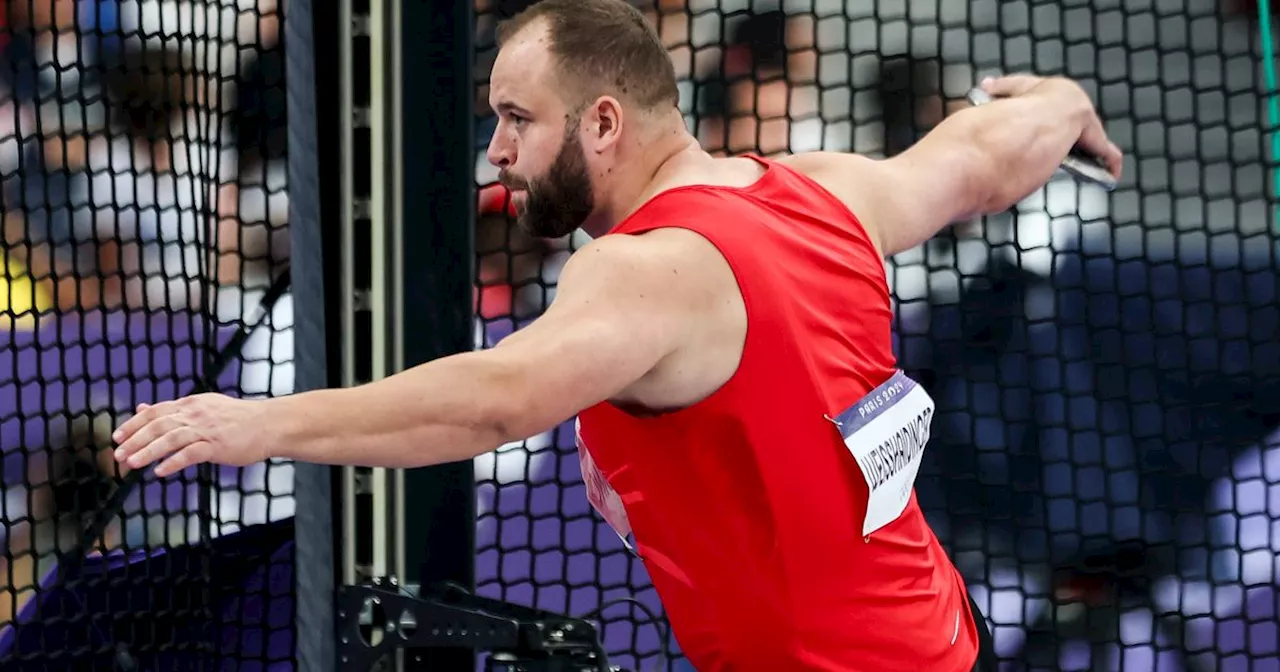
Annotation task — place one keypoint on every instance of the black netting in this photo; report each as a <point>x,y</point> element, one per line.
<point>145,249</point>
<point>1103,467</point>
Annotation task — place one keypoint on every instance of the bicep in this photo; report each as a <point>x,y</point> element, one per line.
<point>615,317</point>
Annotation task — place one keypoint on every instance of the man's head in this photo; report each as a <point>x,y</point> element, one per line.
<point>579,86</point>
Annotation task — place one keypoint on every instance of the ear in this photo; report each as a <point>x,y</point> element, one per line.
<point>602,123</point>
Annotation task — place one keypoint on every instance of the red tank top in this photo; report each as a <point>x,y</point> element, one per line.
<point>777,518</point>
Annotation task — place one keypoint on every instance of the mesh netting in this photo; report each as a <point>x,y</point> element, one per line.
<point>1103,468</point>
<point>145,254</point>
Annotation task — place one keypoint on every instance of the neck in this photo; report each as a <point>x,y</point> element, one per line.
<point>639,177</point>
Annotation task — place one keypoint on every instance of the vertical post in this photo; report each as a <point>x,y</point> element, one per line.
<point>437,237</point>
<point>310,29</point>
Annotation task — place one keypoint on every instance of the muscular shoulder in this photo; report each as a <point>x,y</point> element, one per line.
<point>673,279</point>
<point>853,179</point>
<point>674,263</point>
<point>669,286</point>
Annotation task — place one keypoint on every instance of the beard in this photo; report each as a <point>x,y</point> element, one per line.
<point>558,203</point>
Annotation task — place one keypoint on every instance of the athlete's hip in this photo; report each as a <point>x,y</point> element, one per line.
<point>830,630</point>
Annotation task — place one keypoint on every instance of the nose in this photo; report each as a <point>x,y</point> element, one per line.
<point>501,153</point>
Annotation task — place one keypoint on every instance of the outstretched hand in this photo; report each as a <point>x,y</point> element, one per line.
<point>1093,138</point>
<point>202,428</point>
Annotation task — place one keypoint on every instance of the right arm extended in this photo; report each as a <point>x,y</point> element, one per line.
<point>978,161</point>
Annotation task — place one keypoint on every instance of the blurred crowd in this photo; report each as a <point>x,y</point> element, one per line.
<point>142,186</point>
<point>142,189</point>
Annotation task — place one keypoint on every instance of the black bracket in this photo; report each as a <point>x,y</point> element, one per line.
<point>518,638</point>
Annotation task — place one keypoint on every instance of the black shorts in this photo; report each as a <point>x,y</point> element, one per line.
<point>986,646</point>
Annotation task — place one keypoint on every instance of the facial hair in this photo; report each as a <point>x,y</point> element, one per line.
<point>558,203</point>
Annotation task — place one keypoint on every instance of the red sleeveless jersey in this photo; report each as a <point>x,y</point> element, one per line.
<point>777,518</point>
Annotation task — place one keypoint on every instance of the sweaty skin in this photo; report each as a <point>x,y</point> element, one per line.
<point>652,322</point>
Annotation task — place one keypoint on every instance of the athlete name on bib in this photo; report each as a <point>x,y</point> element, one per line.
<point>886,432</point>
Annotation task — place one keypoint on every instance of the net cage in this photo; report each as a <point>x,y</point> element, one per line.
<point>145,250</point>
<point>1103,467</point>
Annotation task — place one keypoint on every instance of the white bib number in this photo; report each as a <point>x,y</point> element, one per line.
<point>886,432</point>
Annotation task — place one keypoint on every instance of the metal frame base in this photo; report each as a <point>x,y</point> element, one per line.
<point>518,638</point>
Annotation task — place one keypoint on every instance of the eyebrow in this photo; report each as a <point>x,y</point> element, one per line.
<point>505,107</point>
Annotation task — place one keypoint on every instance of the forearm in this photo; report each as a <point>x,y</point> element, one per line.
<point>444,411</point>
<point>1018,144</point>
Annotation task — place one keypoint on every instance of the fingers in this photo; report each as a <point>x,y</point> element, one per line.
<point>179,438</point>
<point>191,455</point>
<point>1113,157</point>
<point>149,424</point>
<point>1095,140</point>
<point>1009,85</point>
<point>145,414</point>
<point>153,434</point>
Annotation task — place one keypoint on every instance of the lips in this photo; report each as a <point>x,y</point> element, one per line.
<point>495,199</point>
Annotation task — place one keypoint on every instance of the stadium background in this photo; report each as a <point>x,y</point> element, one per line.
<point>1103,466</point>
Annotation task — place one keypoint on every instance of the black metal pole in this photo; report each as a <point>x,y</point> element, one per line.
<point>311,33</point>
<point>438,218</point>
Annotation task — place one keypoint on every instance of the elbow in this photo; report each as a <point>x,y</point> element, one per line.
<point>499,430</point>
<point>510,413</point>
<point>519,417</point>
<point>462,408</point>
<point>462,439</point>
<point>497,423</point>
<point>508,399</point>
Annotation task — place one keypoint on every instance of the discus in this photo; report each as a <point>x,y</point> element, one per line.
<point>1079,164</point>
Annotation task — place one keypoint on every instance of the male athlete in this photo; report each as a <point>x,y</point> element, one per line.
<point>724,343</point>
